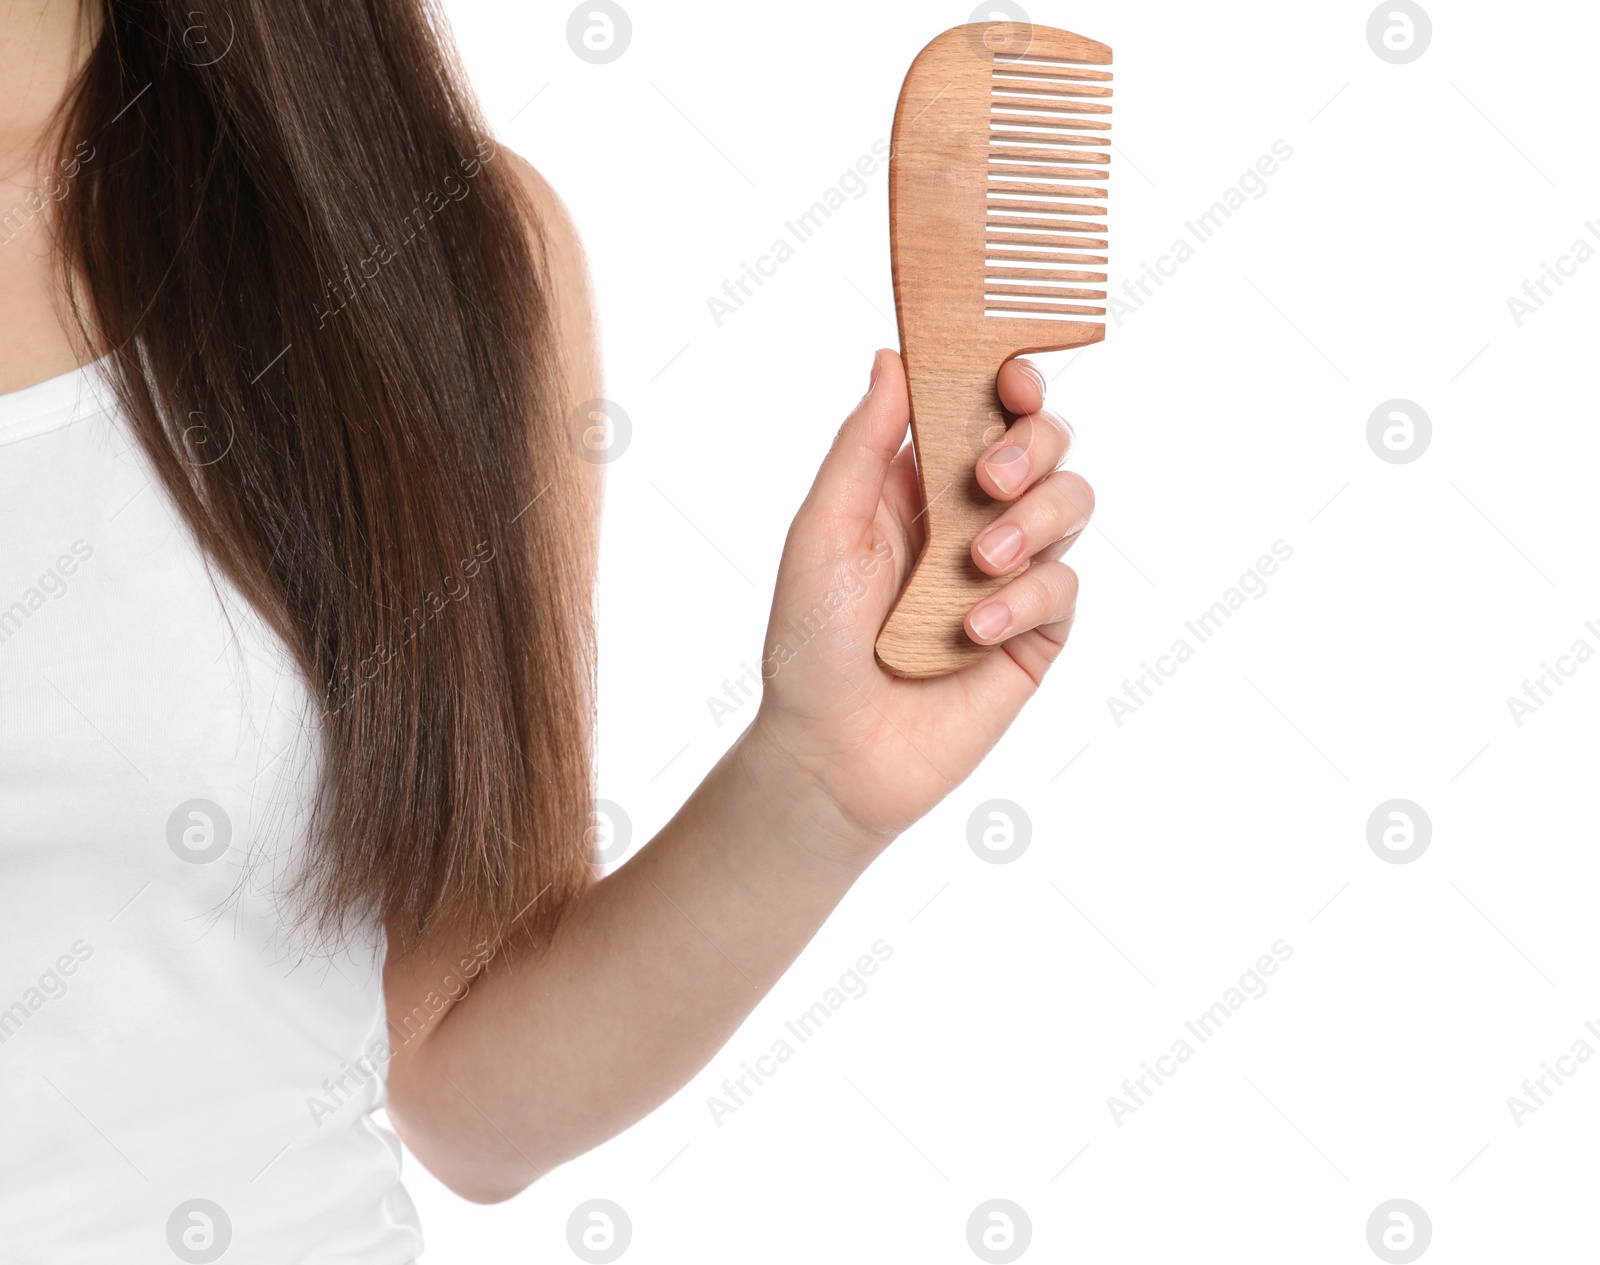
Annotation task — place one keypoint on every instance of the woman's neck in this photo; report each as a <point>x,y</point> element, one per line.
<point>42,45</point>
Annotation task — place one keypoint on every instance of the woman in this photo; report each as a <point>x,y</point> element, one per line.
<point>298,664</point>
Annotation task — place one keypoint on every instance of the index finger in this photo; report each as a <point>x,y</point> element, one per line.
<point>1021,386</point>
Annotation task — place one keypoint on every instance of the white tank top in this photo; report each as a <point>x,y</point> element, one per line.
<point>177,1082</point>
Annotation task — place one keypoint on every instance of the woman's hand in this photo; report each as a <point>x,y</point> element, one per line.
<point>883,749</point>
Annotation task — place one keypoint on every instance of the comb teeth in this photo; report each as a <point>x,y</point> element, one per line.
<point>1048,152</point>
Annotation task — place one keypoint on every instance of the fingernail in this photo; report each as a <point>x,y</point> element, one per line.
<point>990,620</point>
<point>1008,468</point>
<point>1038,377</point>
<point>873,380</point>
<point>1000,545</point>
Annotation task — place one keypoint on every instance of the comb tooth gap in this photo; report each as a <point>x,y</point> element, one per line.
<point>1056,210</point>
<point>1001,273</point>
<point>997,202</point>
<point>1049,148</point>
<point>1046,88</point>
<point>1004,235</point>
<point>1010,303</point>
<point>1047,69</point>
<point>1068,133</point>
<point>1018,316</point>
<point>1062,192</point>
<point>1063,226</point>
<point>1002,177</point>
<point>1041,239</point>
<point>1005,292</point>
<point>1018,114</point>
<point>1043,309</point>
<point>1051,131</point>
<point>1053,141</point>
<point>1067,157</point>
<point>1089,228</point>
<point>1046,190</point>
<point>992,242</point>
<point>1037,275</point>
<point>994,254</point>
<point>1005,144</point>
<point>996,208</point>
<point>1055,122</point>
<point>1092,227</point>
<point>1052,146</point>
<point>1039,98</point>
<point>999,216</point>
<point>1065,171</point>
<point>1090,68</point>
<point>1078,157</point>
<point>1072,302</point>
<point>1007,101</point>
<point>1045,80</point>
<point>994,217</point>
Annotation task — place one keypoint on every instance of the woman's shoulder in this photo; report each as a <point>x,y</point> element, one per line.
<point>562,246</point>
<point>568,291</point>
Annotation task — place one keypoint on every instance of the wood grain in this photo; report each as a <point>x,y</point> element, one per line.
<point>957,262</point>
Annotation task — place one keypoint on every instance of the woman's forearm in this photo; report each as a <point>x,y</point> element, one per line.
<point>550,1053</point>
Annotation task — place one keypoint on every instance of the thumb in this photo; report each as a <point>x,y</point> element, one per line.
<point>850,483</point>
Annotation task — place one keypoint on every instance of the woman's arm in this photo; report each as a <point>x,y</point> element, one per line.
<point>550,1052</point>
<point>651,972</point>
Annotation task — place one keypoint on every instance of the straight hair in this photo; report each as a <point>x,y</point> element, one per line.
<point>325,305</point>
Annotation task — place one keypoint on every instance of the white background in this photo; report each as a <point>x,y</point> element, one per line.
<point>1231,810</point>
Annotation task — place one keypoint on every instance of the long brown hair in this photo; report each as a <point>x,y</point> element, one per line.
<point>327,313</point>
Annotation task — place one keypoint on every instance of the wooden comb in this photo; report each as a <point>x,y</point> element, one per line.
<point>996,207</point>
